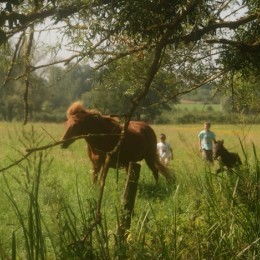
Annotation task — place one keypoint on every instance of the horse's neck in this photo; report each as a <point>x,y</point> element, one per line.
<point>225,152</point>
<point>104,134</point>
<point>104,125</point>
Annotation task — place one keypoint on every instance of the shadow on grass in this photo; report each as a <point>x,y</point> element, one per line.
<point>159,191</point>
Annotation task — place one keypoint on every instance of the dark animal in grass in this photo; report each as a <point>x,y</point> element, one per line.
<point>226,159</point>
<point>139,142</point>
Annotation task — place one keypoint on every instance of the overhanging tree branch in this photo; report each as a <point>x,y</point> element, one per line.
<point>168,98</point>
<point>197,34</point>
<point>244,47</point>
<point>37,16</point>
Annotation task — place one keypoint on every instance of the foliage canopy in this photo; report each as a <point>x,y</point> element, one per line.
<point>195,41</point>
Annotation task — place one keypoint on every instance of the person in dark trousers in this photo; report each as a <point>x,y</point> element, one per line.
<point>206,140</point>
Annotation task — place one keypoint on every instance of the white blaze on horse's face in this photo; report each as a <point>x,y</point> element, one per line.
<point>74,129</point>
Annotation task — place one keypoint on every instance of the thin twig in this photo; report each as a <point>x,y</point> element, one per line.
<point>27,73</point>
<point>16,162</point>
<point>14,59</point>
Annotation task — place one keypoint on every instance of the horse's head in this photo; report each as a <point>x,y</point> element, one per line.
<point>218,148</point>
<point>76,115</point>
<point>73,129</point>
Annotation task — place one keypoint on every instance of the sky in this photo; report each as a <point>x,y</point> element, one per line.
<point>47,40</point>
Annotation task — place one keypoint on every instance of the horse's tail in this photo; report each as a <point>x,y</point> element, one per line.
<point>165,171</point>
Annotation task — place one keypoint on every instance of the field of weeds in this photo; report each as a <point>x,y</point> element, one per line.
<point>48,201</point>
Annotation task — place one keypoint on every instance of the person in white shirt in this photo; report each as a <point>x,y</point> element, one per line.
<point>164,150</point>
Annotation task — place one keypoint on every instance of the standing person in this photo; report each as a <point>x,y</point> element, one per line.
<point>206,139</point>
<point>164,150</point>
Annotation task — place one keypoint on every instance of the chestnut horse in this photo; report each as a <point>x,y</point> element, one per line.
<point>103,132</point>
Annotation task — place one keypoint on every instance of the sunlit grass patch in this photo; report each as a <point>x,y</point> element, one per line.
<point>201,216</point>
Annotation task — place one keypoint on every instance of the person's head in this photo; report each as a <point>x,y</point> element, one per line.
<point>207,126</point>
<point>163,137</point>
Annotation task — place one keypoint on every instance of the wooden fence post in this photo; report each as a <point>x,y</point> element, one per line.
<point>128,199</point>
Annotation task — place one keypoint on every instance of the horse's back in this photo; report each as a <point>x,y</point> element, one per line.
<point>142,132</point>
<point>141,128</point>
<point>231,159</point>
<point>140,140</point>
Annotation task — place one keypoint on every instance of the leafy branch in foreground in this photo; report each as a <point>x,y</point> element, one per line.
<point>103,32</point>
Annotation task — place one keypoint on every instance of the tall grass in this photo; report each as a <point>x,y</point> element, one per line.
<point>48,208</point>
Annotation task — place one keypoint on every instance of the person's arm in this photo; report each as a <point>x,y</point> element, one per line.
<point>200,147</point>
<point>200,141</point>
<point>171,152</point>
<point>214,139</point>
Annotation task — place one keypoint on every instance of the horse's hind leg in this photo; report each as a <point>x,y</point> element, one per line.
<point>151,165</point>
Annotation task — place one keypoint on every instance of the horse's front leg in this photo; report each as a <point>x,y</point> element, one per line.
<point>95,175</point>
<point>221,167</point>
<point>101,168</point>
<point>97,168</point>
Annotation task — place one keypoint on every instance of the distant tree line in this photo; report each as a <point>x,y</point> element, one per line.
<point>50,96</point>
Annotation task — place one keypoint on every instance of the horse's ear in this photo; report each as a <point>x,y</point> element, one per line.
<point>222,141</point>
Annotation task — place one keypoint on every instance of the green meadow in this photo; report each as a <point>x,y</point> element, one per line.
<point>48,201</point>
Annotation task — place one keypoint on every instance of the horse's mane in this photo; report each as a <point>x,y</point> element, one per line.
<point>78,112</point>
<point>75,108</point>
